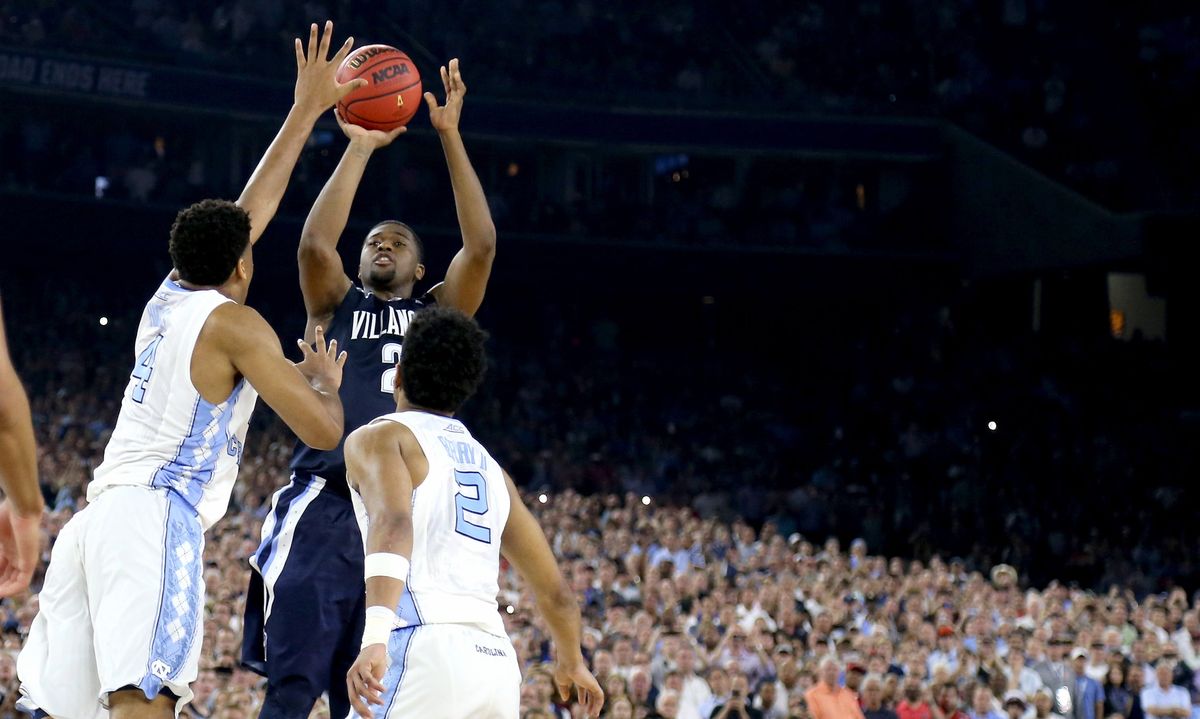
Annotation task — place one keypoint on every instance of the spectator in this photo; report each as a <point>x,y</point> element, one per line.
<point>828,700</point>
<point>1164,700</point>
<point>1117,698</point>
<point>738,706</point>
<point>872,700</point>
<point>983,705</point>
<point>1089,695</point>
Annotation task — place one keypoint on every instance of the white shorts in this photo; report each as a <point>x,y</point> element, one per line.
<point>450,671</point>
<point>121,606</point>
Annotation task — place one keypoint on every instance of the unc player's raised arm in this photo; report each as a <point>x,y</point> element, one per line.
<point>316,92</point>
<point>304,395</point>
<point>467,277</point>
<point>21,509</point>
<point>524,545</point>
<point>375,467</point>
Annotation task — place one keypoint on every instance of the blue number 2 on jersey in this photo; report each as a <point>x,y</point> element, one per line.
<point>143,369</point>
<point>477,505</point>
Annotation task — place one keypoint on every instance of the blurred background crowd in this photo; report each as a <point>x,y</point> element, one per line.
<point>811,433</point>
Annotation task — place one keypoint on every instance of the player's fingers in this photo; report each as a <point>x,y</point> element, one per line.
<point>445,78</point>
<point>564,690</point>
<point>360,707</point>
<point>305,350</point>
<point>341,360</point>
<point>300,59</point>
<point>375,685</point>
<point>431,101</point>
<point>319,339</point>
<point>344,50</point>
<point>331,351</point>
<point>311,50</point>
<point>397,132</point>
<point>326,40</point>
<point>346,88</point>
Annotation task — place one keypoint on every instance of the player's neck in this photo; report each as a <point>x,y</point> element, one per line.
<point>391,293</point>
<point>403,405</point>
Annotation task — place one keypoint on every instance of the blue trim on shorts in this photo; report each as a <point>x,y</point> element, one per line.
<point>176,628</point>
<point>293,491</point>
<point>398,646</point>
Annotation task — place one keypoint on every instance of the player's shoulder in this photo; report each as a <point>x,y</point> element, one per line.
<point>379,434</point>
<point>234,325</point>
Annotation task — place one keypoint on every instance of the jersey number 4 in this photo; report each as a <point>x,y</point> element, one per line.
<point>143,369</point>
<point>477,505</point>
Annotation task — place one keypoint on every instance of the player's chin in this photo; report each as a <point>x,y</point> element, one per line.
<point>381,275</point>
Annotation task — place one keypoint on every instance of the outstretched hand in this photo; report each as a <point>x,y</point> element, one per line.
<point>322,366</point>
<point>317,88</point>
<point>445,117</point>
<point>587,689</point>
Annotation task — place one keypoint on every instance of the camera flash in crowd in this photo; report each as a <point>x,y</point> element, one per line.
<point>543,498</point>
<point>992,425</point>
<point>104,322</point>
<point>646,501</point>
<point>509,609</point>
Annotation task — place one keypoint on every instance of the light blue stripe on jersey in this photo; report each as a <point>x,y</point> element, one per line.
<point>177,626</point>
<point>198,453</point>
<point>398,645</point>
<point>407,609</point>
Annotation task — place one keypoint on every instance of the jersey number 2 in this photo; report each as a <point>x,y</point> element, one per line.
<point>477,505</point>
<point>143,369</point>
<point>391,355</point>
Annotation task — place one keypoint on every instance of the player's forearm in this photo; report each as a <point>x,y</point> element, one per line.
<point>330,213</point>
<point>18,451</point>
<point>390,532</point>
<point>474,217</point>
<point>561,612</point>
<point>265,188</point>
<point>328,435</point>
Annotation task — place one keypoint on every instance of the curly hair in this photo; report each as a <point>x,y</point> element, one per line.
<point>443,361</point>
<point>207,240</point>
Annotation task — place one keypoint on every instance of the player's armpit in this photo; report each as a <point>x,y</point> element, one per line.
<point>252,348</point>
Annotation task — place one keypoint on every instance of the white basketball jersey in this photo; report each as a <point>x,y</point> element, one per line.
<point>167,435</point>
<point>458,516</point>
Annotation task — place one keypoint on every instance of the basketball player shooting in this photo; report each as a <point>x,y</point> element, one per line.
<point>120,624</point>
<point>439,512</point>
<point>304,606</point>
<point>21,509</point>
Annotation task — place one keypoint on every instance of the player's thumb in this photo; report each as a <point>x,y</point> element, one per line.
<point>430,100</point>
<point>348,87</point>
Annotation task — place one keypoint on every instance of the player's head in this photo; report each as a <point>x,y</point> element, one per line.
<point>210,246</point>
<point>391,258</point>
<point>443,360</point>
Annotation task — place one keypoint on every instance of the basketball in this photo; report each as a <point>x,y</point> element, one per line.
<point>392,93</point>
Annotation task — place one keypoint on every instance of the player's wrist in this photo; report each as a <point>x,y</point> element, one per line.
<point>379,625</point>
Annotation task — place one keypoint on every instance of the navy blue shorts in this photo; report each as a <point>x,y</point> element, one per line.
<point>306,602</point>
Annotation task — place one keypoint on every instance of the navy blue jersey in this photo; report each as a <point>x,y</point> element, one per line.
<point>371,330</point>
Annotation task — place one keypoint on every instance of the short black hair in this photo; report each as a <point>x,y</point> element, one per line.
<point>416,238</point>
<point>443,362</point>
<point>207,240</point>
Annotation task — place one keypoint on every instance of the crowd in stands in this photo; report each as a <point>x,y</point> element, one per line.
<point>1100,99</point>
<point>689,509</point>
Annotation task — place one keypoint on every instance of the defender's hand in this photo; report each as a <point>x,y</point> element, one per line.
<point>322,367</point>
<point>364,680</point>
<point>316,88</point>
<point>370,139</point>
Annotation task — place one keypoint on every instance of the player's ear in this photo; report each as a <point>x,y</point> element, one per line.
<point>419,272</point>
<point>398,382</point>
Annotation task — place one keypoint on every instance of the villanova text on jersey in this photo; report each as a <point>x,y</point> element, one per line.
<point>371,330</point>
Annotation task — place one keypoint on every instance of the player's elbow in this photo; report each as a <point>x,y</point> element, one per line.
<point>327,436</point>
<point>483,242</point>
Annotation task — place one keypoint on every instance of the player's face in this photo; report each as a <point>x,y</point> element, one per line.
<point>389,258</point>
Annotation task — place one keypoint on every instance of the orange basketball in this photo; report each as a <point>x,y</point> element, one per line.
<point>392,93</point>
